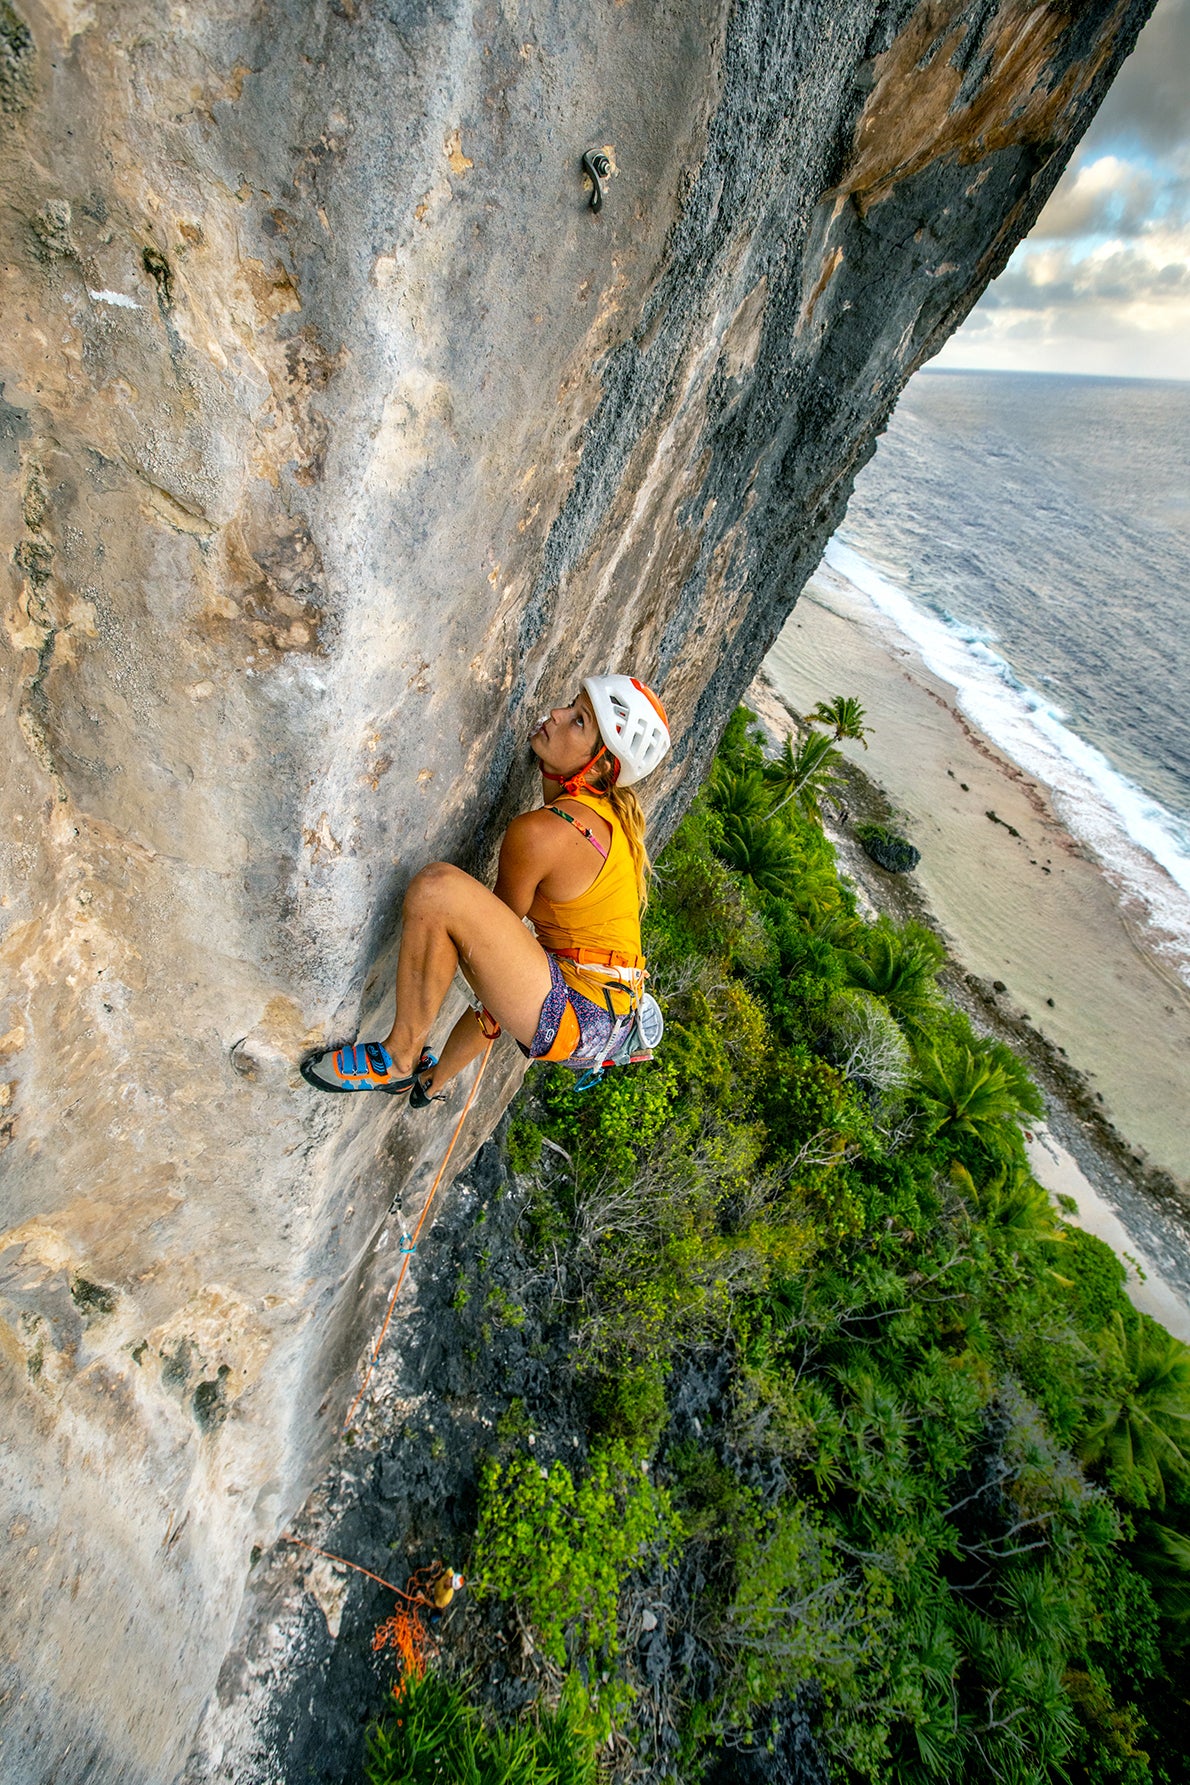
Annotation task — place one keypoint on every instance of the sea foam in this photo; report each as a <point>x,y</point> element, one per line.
<point>1142,846</point>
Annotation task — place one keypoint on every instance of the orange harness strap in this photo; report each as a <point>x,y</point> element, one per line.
<point>598,957</point>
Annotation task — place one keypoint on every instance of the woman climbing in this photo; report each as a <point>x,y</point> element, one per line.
<point>575,867</point>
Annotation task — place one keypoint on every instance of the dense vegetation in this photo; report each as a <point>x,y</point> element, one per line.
<point>939,1503</point>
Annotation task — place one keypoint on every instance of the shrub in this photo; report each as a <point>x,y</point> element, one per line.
<point>522,1140</point>
<point>562,1550</point>
<point>1095,1279</point>
<point>630,1404</point>
<point>433,1736</point>
<point>861,1038</point>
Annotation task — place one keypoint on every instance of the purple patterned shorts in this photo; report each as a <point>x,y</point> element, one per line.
<point>599,1031</point>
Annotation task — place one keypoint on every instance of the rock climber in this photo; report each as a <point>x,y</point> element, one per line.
<point>576,867</point>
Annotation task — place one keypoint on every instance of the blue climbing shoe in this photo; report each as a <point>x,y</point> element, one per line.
<point>367,1066</point>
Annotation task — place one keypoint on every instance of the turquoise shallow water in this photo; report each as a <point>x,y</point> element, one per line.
<point>1030,537</point>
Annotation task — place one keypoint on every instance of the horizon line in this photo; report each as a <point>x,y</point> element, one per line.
<point>1036,372</point>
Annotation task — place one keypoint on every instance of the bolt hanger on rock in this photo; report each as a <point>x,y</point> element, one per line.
<point>597,168</point>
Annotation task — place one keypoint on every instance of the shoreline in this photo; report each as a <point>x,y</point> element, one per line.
<point>1025,904</point>
<point>1079,1151</point>
<point>1146,1286</point>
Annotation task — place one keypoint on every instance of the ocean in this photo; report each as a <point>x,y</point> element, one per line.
<point>1029,537</point>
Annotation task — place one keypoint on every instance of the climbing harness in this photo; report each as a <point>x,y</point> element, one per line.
<point>408,1244</point>
<point>640,1037</point>
<point>636,1046</point>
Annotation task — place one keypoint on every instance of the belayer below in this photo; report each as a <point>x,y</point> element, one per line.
<point>576,867</point>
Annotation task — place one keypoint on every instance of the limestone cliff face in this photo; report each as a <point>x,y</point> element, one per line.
<point>339,435</point>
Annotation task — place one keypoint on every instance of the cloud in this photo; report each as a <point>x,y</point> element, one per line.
<point>1137,339</point>
<point>1147,105</point>
<point>1105,196</point>
<point>1156,269</point>
<point>1103,282</point>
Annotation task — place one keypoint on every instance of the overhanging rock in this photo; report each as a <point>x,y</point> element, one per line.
<point>339,436</point>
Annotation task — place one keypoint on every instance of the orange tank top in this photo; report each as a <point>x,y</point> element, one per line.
<point>601,927</point>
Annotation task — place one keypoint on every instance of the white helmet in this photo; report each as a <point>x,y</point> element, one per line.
<point>632,724</point>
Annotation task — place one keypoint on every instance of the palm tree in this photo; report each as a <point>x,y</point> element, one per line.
<point>805,772</point>
<point>1142,1436</point>
<point>969,1094</point>
<point>814,894</point>
<point>1163,1556</point>
<point>738,793</point>
<point>876,1429</point>
<point>900,966</point>
<point>845,715</point>
<point>752,848</point>
<point>1017,1208</point>
<point>1028,1097</point>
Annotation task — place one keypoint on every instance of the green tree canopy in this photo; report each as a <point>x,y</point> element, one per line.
<point>1142,1436</point>
<point>845,717</point>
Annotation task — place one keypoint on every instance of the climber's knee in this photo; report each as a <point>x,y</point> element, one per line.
<point>433,888</point>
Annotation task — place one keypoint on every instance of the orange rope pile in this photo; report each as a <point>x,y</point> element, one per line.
<point>405,1630</point>
<point>411,1244</point>
<point>405,1633</point>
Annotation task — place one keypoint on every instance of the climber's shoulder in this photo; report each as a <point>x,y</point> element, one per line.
<point>534,836</point>
<point>529,852</point>
<point>532,844</point>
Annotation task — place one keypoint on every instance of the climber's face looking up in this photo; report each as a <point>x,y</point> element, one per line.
<point>566,739</point>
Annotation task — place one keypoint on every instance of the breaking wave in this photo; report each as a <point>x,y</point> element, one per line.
<point>1144,847</point>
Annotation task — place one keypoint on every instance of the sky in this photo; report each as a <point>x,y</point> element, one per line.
<point>1102,285</point>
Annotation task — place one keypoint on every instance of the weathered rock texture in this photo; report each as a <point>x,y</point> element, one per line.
<point>339,435</point>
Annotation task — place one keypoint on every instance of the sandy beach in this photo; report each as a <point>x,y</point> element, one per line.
<point>1018,900</point>
<point>1043,953</point>
<point>1148,1287</point>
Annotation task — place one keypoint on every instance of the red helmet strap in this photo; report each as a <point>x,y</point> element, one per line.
<point>575,783</point>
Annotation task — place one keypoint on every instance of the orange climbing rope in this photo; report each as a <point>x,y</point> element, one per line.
<point>413,1598</point>
<point>405,1631</point>
<point>409,1246</point>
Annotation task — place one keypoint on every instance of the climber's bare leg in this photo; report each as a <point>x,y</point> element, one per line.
<point>464,1042</point>
<point>451,921</point>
